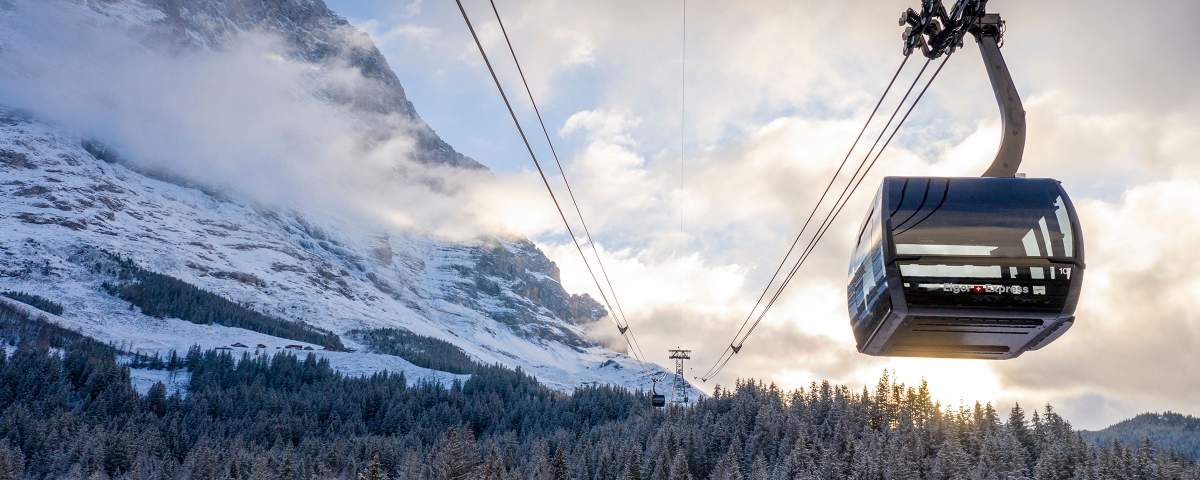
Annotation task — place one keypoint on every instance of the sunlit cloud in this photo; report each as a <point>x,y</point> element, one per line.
<point>773,102</point>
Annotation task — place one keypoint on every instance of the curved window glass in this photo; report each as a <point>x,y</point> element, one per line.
<point>995,217</point>
<point>993,243</point>
<point>866,290</point>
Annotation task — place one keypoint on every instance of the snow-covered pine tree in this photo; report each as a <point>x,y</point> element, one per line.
<point>12,461</point>
<point>374,471</point>
<point>456,457</point>
<point>495,467</point>
<point>632,468</point>
<point>727,467</point>
<point>951,462</point>
<point>679,467</point>
<point>559,470</point>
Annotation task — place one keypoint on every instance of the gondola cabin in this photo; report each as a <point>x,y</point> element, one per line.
<point>965,267</point>
<point>658,400</point>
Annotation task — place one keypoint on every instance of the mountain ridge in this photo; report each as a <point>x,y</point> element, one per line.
<point>1166,430</point>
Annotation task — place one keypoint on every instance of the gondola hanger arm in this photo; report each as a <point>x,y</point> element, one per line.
<point>989,34</point>
<point>936,32</point>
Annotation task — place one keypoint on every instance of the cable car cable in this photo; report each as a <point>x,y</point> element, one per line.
<point>846,198</point>
<point>812,213</point>
<point>570,192</point>
<point>843,199</point>
<point>636,345</point>
<point>538,165</point>
<point>734,347</point>
<point>843,196</point>
<point>682,118</point>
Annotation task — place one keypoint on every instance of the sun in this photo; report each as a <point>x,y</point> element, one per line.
<point>951,381</point>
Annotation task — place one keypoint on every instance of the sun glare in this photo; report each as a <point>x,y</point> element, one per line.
<point>951,382</point>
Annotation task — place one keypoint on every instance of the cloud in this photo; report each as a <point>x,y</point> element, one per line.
<point>1139,317</point>
<point>612,126</point>
<point>245,117</point>
<point>410,8</point>
<point>422,36</point>
<point>771,110</point>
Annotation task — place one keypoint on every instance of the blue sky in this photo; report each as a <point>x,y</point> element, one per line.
<point>442,88</point>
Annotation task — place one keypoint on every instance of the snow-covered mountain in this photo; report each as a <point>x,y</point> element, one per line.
<point>70,201</point>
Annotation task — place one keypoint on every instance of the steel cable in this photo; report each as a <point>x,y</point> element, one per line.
<point>542,174</point>
<point>562,172</point>
<point>843,199</point>
<point>811,214</point>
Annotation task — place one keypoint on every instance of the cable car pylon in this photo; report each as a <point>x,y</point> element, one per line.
<point>680,387</point>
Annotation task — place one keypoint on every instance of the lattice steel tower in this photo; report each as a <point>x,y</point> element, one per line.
<point>680,387</point>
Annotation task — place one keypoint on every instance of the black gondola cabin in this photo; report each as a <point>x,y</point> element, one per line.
<point>965,267</point>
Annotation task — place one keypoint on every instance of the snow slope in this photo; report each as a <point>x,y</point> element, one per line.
<point>144,378</point>
<point>62,208</point>
<point>148,335</point>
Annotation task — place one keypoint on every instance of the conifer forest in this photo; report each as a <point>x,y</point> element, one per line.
<point>68,410</point>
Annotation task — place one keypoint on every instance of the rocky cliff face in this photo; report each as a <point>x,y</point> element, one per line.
<point>526,270</point>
